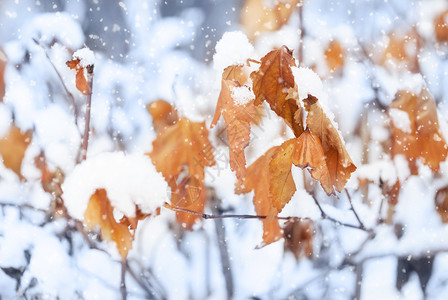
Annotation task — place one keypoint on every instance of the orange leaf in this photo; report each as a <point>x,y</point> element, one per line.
<point>183,145</point>
<point>3,60</point>
<point>424,140</point>
<point>441,202</point>
<point>189,194</point>
<point>256,17</point>
<point>236,116</point>
<point>339,163</point>
<point>310,154</point>
<point>13,147</point>
<point>184,148</point>
<point>81,81</point>
<point>163,114</point>
<point>441,27</point>
<point>334,56</point>
<point>259,179</point>
<point>100,213</point>
<point>273,81</point>
<point>299,237</point>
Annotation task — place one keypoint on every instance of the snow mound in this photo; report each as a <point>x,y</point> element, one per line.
<point>128,179</point>
<point>233,48</point>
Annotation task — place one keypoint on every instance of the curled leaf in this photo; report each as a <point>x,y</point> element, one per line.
<point>299,237</point>
<point>163,114</point>
<point>13,147</point>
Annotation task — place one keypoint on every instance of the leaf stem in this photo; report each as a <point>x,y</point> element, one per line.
<point>123,290</point>
<point>85,140</point>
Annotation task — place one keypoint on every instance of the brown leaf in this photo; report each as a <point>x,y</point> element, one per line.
<point>339,163</point>
<point>236,116</point>
<point>310,154</point>
<point>81,81</point>
<point>425,140</point>
<point>298,237</point>
<point>334,56</point>
<point>441,27</point>
<point>183,150</point>
<point>273,81</point>
<point>3,61</point>
<point>13,147</point>
<point>259,179</point>
<point>189,194</point>
<point>402,51</point>
<point>100,213</point>
<point>183,145</point>
<point>441,202</point>
<point>256,17</point>
<point>163,114</point>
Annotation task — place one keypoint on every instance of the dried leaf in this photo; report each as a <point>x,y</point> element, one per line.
<point>339,163</point>
<point>298,237</point>
<point>183,150</point>
<point>81,81</point>
<point>3,61</point>
<point>259,179</point>
<point>441,202</point>
<point>256,17</point>
<point>183,145</point>
<point>163,114</point>
<point>189,194</point>
<point>334,56</point>
<point>236,116</point>
<point>441,27</point>
<point>424,141</point>
<point>273,81</point>
<point>310,154</point>
<point>13,147</point>
<point>402,51</point>
<point>100,213</point>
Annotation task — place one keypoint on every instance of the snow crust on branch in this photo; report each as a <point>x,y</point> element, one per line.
<point>129,180</point>
<point>233,48</point>
<point>86,57</point>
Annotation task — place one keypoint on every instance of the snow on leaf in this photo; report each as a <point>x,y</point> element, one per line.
<point>424,140</point>
<point>13,147</point>
<point>81,65</point>
<point>258,179</point>
<point>256,17</point>
<point>273,81</point>
<point>236,116</point>
<point>184,148</point>
<point>163,114</point>
<point>100,213</point>
<point>339,163</point>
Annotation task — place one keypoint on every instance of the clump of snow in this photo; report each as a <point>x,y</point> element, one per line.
<point>242,95</point>
<point>400,119</point>
<point>308,83</point>
<point>129,180</point>
<point>233,48</point>
<point>60,26</point>
<point>86,57</point>
<point>413,83</point>
<point>381,169</point>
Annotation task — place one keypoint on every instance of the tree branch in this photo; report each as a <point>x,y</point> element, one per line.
<point>361,224</point>
<point>85,139</point>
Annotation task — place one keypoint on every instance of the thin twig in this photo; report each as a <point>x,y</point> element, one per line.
<point>327,217</point>
<point>123,290</point>
<point>302,33</point>
<point>208,216</point>
<point>85,139</point>
<point>137,279</point>
<point>24,205</point>
<point>353,210</point>
<point>69,94</point>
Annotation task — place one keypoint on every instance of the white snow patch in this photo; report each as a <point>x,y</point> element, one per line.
<point>383,169</point>
<point>242,95</point>
<point>86,57</point>
<point>129,180</point>
<point>400,119</point>
<point>233,48</point>
<point>308,83</point>
<point>413,83</point>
